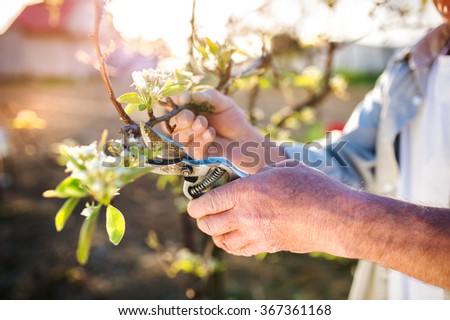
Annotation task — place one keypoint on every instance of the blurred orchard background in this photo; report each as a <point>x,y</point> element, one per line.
<point>322,57</point>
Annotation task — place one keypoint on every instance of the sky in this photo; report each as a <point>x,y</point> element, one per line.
<point>169,20</point>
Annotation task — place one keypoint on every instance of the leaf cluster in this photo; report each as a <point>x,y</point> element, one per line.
<point>155,86</point>
<point>97,176</point>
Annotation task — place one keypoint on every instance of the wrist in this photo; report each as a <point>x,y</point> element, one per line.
<point>256,154</point>
<point>347,223</point>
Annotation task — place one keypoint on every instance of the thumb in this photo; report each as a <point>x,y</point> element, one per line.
<point>182,99</point>
<point>215,201</point>
<point>219,101</point>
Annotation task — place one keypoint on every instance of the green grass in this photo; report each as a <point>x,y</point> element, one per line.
<point>356,78</point>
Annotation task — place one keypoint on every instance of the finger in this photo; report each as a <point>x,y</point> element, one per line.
<point>290,163</point>
<point>218,147</point>
<point>230,242</point>
<point>182,120</point>
<point>213,97</point>
<point>217,224</point>
<point>182,99</point>
<point>217,200</point>
<point>234,245</point>
<point>191,133</point>
<point>199,147</point>
<point>245,251</point>
<point>199,125</point>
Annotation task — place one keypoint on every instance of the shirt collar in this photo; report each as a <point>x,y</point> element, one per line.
<point>425,52</point>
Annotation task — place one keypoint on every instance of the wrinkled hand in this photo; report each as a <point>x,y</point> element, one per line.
<point>290,207</point>
<point>224,132</point>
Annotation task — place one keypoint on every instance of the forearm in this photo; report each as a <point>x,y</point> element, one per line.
<point>298,209</point>
<point>255,152</point>
<point>409,238</point>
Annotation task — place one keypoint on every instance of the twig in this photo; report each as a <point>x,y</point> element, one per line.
<point>99,6</point>
<point>130,126</point>
<point>324,90</point>
<point>225,76</point>
<point>252,97</point>
<point>260,65</point>
<point>134,127</point>
<point>193,30</point>
<point>167,116</point>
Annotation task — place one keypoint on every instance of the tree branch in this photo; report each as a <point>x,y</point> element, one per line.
<point>134,129</point>
<point>225,76</point>
<point>193,30</point>
<point>315,98</point>
<point>99,7</point>
<point>252,97</point>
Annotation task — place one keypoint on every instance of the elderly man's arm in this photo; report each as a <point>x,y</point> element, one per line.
<point>299,209</point>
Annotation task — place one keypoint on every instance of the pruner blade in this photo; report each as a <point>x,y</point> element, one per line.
<point>170,150</point>
<point>174,159</point>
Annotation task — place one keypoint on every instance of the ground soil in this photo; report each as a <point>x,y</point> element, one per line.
<point>36,262</point>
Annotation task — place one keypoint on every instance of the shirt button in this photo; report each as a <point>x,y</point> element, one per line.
<point>417,100</point>
<point>388,187</point>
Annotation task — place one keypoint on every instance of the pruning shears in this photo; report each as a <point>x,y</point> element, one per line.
<point>200,176</point>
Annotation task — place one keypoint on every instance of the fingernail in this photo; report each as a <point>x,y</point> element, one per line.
<point>207,135</point>
<point>180,120</point>
<point>201,95</point>
<point>197,125</point>
<point>185,99</point>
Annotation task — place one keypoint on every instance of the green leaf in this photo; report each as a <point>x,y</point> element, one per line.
<point>86,234</point>
<point>264,83</point>
<point>201,48</point>
<point>54,194</point>
<point>213,47</point>
<point>178,75</point>
<point>65,212</point>
<point>172,90</point>
<point>242,52</point>
<point>130,98</point>
<point>167,84</point>
<point>70,187</point>
<point>115,224</point>
<point>131,107</point>
<point>142,107</point>
<point>226,56</point>
<point>102,141</point>
<point>135,173</point>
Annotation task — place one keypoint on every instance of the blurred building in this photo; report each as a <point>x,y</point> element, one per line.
<point>55,42</point>
<point>362,58</point>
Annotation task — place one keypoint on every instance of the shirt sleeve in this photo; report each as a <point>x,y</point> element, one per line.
<point>347,156</point>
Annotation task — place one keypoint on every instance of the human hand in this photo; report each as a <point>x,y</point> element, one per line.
<point>224,132</point>
<point>290,207</point>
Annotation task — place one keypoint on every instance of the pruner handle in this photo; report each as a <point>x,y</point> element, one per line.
<point>194,187</point>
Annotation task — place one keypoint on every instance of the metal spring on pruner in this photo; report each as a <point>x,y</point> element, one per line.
<point>196,190</point>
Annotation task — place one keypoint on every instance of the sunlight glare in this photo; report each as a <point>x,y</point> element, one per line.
<point>170,20</point>
<point>11,10</point>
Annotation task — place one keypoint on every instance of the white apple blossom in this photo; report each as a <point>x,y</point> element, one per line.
<point>101,174</point>
<point>154,85</point>
<point>138,80</point>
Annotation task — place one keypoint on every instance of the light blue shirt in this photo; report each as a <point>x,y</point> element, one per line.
<point>370,137</point>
